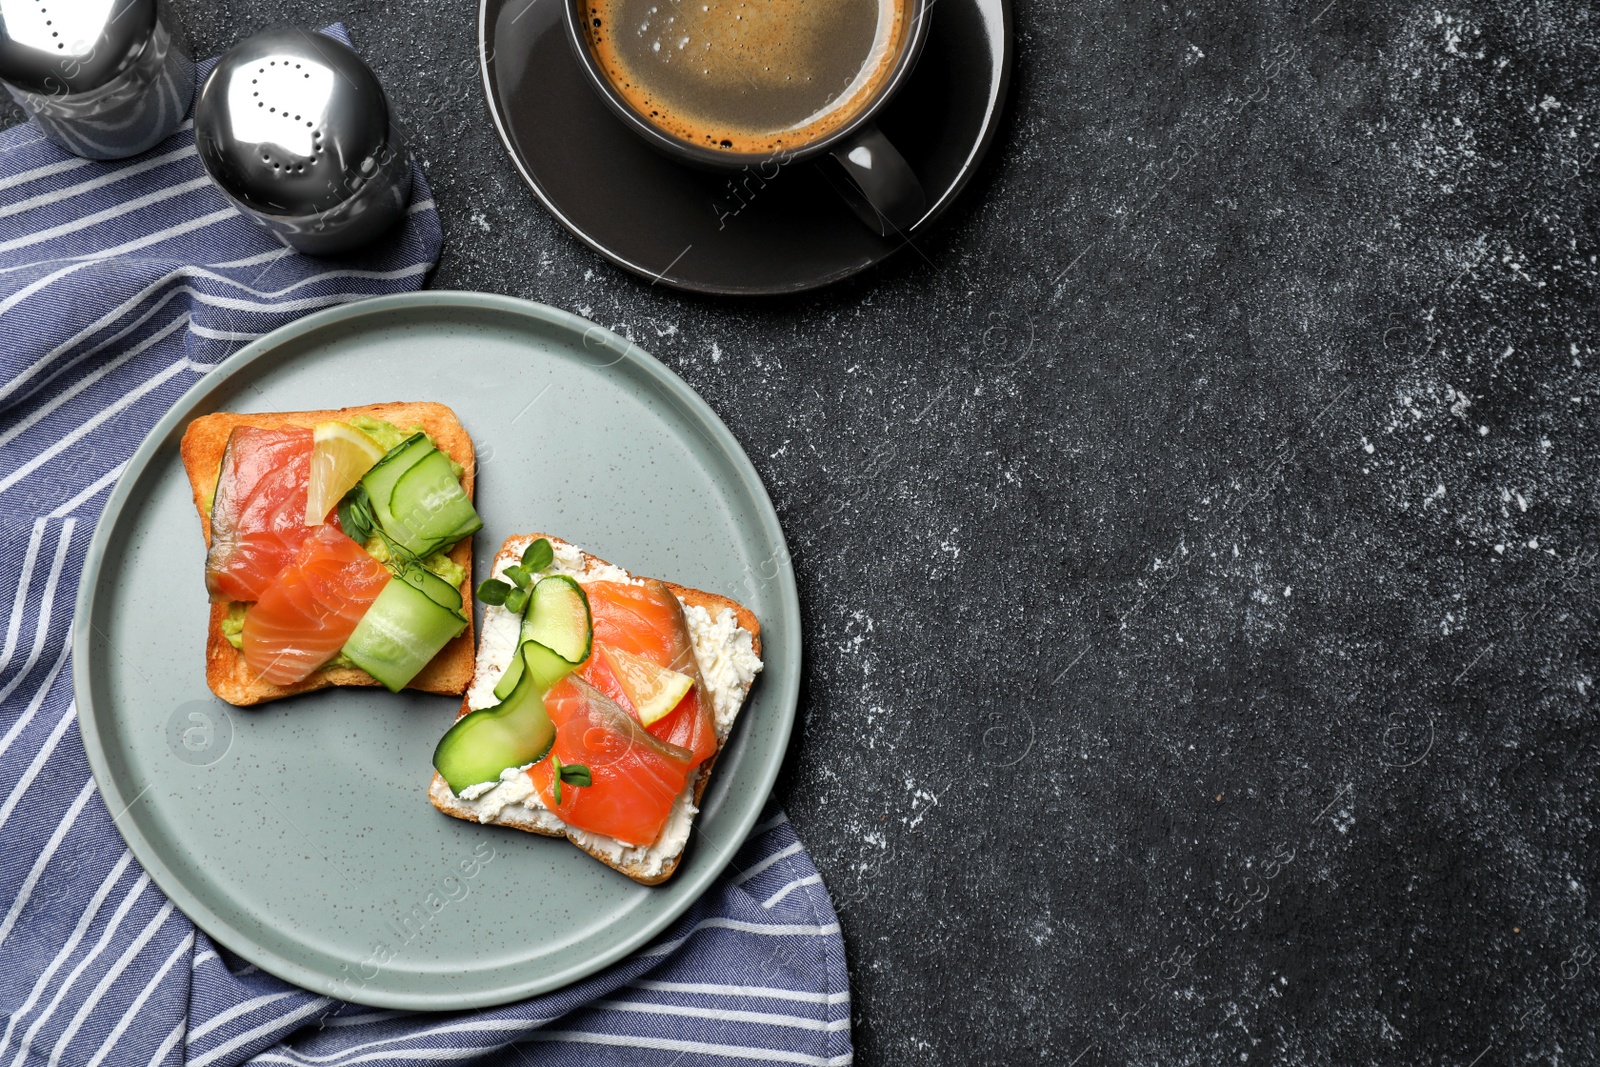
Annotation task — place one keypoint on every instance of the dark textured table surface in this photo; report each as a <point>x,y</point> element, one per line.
<point>1196,530</point>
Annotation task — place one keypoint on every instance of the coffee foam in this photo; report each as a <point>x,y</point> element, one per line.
<point>746,76</point>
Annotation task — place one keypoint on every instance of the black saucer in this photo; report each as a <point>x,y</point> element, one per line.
<point>715,233</point>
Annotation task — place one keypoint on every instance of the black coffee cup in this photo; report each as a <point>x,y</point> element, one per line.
<point>868,172</point>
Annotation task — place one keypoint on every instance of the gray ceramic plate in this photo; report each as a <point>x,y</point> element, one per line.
<point>298,834</point>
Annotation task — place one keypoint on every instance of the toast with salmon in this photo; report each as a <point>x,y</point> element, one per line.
<point>204,447</point>
<point>726,648</point>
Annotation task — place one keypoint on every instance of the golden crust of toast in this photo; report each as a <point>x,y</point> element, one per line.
<point>440,795</point>
<point>204,442</point>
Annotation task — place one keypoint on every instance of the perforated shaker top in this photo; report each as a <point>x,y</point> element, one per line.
<point>291,122</point>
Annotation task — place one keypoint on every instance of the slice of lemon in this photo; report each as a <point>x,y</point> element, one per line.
<point>340,455</point>
<point>654,690</point>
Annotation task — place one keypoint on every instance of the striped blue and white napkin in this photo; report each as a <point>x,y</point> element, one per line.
<point>120,285</point>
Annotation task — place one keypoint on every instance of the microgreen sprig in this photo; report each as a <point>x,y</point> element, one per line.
<point>513,589</point>
<point>493,591</point>
<point>538,555</point>
<point>571,773</point>
<point>358,520</point>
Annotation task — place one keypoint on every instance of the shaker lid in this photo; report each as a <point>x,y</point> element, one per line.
<point>71,46</point>
<point>291,122</point>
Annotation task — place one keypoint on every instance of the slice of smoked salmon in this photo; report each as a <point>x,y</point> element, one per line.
<point>636,777</point>
<point>306,615</point>
<point>648,621</point>
<point>598,673</point>
<point>258,515</point>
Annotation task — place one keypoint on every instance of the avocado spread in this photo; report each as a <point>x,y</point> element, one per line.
<point>233,624</point>
<point>438,563</point>
<point>388,435</point>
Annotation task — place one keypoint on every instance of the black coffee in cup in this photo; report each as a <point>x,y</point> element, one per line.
<point>747,76</point>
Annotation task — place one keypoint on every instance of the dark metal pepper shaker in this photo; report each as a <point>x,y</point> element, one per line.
<point>296,130</point>
<point>104,79</point>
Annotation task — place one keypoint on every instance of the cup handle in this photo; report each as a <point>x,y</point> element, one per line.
<point>877,182</point>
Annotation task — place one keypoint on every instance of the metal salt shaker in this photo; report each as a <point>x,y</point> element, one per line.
<point>104,79</point>
<point>296,130</point>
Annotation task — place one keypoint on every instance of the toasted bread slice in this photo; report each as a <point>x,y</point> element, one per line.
<point>203,444</point>
<point>651,864</point>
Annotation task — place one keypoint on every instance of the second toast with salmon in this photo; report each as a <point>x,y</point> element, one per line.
<point>727,645</point>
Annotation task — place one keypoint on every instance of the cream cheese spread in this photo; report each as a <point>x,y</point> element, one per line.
<point>728,661</point>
